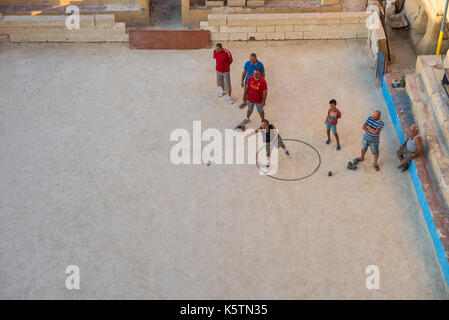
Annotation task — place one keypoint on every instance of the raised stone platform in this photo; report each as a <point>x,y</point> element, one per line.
<point>431,111</point>
<point>52,28</point>
<point>133,13</point>
<point>430,196</point>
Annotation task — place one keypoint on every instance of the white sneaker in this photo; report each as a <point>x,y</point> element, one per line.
<point>245,121</point>
<point>230,100</point>
<point>221,94</point>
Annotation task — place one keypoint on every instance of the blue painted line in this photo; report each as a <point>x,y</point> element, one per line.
<point>438,245</point>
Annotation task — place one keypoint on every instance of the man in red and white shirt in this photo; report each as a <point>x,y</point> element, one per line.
<point>255,94</point>
<point>223,58</point>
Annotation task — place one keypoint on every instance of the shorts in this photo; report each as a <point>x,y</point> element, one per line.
<point>330,126</point>
<point>277,142</point>
<point>374,146</point>
<point>404,152</point>
<point>251,105</point>
<point>224,80</point>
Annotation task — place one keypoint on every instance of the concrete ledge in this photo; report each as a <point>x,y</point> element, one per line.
<point>43,21</point>
<point>435,214</point>
<point>93,28</point>
<point>377,39</point>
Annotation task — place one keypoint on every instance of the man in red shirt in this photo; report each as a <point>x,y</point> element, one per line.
<point>223,58</point>
<point>255,94</point>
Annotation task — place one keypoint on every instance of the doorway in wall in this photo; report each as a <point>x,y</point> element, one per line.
<point>166,14</point>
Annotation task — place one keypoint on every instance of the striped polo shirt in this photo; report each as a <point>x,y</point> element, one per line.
<point>376,125</point>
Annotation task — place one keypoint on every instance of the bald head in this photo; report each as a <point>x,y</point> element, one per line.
<point>376,115</point>
<point>414,130</point>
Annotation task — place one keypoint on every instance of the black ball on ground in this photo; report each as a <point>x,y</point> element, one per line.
<point>350,165</point>
<point>329,173</point>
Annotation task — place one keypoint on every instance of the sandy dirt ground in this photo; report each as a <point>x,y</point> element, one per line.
<point>87,180</point>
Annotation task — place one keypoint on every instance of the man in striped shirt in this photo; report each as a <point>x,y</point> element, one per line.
<point>372,127</point>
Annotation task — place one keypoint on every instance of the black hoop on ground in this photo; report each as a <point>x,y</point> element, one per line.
<point>297,179</point>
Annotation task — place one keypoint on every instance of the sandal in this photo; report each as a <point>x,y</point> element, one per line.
<point>242,105</point>
<point>376,167</point>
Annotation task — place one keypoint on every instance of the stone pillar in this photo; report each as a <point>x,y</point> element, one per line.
<point>425,19</point>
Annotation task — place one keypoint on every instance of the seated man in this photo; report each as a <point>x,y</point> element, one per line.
<point>411,148</point>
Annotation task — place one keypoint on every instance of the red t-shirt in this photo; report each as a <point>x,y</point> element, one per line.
<point>256,89</point>
<point>223,59</point>
<point>332,116</point>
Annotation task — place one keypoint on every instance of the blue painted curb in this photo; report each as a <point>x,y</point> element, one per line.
<point>438,245</point>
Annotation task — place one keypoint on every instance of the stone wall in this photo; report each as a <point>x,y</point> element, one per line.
<point>132,12</point>
<point>62,2</point>
<point>289,26</point>
<point>46,28</point>
<point>377,40</point>
<point>193,13</point>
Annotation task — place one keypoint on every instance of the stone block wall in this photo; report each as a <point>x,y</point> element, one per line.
<point>287,26</point>
<point>193,11</point>
<point>51,28</point>
<point>236,3</point>
<point>132,12</point>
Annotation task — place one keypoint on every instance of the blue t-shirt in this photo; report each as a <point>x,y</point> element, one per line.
<point>375,124</point>
<point>249,67</point>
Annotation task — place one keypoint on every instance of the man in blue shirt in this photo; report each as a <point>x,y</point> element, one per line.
<point>248,70</point>
<point>372,127</point>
